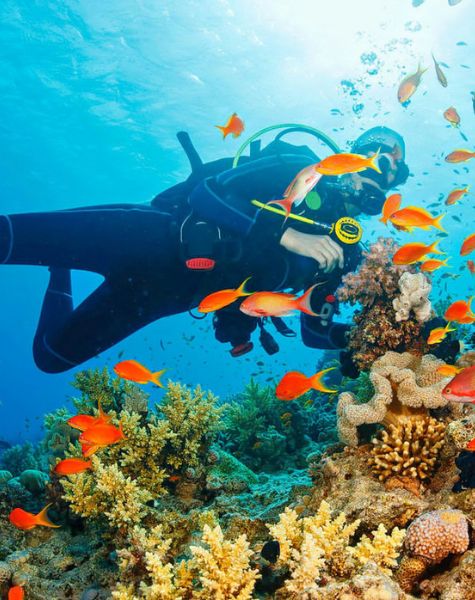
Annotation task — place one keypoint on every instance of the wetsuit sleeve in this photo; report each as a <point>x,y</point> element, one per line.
<point>226,198</point>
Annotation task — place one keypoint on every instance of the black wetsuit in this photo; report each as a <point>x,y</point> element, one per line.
<point>138,251</point>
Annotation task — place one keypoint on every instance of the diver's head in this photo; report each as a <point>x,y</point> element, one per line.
<point>392,154</point>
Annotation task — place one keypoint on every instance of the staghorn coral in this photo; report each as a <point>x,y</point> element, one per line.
<point>381,549</point>
<point>414,291</point>
<point>405,385</point>
<point>176,437</point>
<point>409,449</point>
<point>107,492</point>
<point>193,419</point>
<point>318,545</point>
<point>218,569</point>
<point>97,385</point>
<point>375,285</point>
<point>430,539</point>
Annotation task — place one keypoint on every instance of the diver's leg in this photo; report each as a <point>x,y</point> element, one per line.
<point>115,310</point>
<point>99,239</point>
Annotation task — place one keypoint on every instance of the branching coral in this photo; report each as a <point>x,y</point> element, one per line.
<point>177,437</point>
<point>377,328</point>
<point>409,449</point>
<point>317,545</point>
<point>97,385</point>
<point>430,539</point>
<point>218,570</point>
<point>405,385</point>
<point>193,419</point>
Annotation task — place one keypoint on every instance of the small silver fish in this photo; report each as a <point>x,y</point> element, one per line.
<point>454,2</point>
<point>417,2</point>
<point>440,74</point>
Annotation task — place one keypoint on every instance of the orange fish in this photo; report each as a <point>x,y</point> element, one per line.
<point>134,371</point>
<point>100,436</point>
<point>452,116</point>
<point>449,370</point>
<point>409,85</point>
<point>459,310</point>
<point>390,206</point>
<point>26,520</point>
<point>431,265</point>
<point>468,245</point>
<point>345,162</point>
<point>294,384</point>
<point>414,252</point>
<point>414,216</point>
<point>438,334</point>
<point>277,304</point>
<point>223,298</point>
<point>72,466</point>
<point>460,155</point>
<point>462,388</point>
<point>471,266</point>
<point>83,422</point>
<point>455,195</point>
<point>16,593</point>
<point>234,126</point>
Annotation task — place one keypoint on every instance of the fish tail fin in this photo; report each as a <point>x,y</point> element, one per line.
<point>469,305</point>
<point>42,518</point>
<point>316,381</point>
<point>156,377</point>
<point>433,248</point>
<point>448,329</point>
<point>88,451</point>
<point>223,130</point>
<point>241,291</point>
<point>285,203</point>
<point>437,223</point>
<point>303,303</point>
<point>470,445</point>
<point>373,161</point>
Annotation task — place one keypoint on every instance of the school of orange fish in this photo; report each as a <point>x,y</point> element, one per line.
<point>98,432</point>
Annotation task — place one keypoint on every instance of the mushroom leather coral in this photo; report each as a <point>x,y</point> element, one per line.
<point>405,385</point>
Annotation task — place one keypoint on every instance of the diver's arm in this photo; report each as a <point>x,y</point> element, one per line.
<point>322,248</point>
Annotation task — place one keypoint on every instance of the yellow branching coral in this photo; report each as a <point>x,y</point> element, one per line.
<point>108,492</point>
<point>193,419</point>
<point>223,567</point>
<point>382,549</point>
<point>218,570</point>
<point>317,545</point>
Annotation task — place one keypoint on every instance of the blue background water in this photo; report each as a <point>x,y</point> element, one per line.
<point>92,94</point>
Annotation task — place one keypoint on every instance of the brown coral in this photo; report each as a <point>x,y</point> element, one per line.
<point>405,387</point>
<point>430,539</point>
<point>375,286</point>
<point>409,449</point>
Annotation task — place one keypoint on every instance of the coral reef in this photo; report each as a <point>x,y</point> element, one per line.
<point>405,385</point>
<point>430,539</point>
<point>266,433</point>
<point>414,291</point>
<point>219,569</point>
<point>409,449</point>
<point>378,327</point>
<point>317,546</point>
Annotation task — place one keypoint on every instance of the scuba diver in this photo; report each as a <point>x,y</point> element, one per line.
<point>200,236</point>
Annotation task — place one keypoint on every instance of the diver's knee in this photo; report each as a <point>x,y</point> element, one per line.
<point>6,239</point>
<point>47,359</point>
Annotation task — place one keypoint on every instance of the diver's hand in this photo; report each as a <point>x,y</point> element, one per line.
<point>321,248</point>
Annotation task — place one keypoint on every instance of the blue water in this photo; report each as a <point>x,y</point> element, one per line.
<point>92,94</point>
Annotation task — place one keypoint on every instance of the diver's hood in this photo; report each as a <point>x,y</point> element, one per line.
<point>380,137</point>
